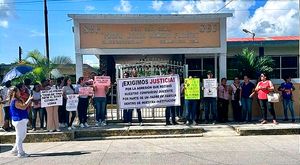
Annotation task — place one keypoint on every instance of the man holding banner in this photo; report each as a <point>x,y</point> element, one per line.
<point>210,86</point>
<point>171,110</point>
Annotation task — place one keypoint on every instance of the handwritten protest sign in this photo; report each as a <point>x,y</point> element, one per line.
<point>72,102</point>
<point>210,87</point>
<point>161,91</point>
<point>51,97</point>
<point>102,80</point>
<point>192,89</point>
<point>86,91</point>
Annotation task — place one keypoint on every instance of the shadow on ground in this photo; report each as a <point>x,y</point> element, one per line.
<point>5,148</point>
<point>74,153</point>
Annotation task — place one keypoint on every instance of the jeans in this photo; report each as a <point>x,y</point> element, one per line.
<point>82,109</point>
<point>222,110</point>
<point>170,112</point>
<point>236,108</point>
<point>62,113</point>
<point>210,106</point>
<point>128,115</point>
<point>41,115</point>
<point>247,109</point>
<point>190,106</point>
<point>265,106</point>
<point>100,105</point>
<point>288,104</point>
<point>21,131</point>
<point>180,109</point>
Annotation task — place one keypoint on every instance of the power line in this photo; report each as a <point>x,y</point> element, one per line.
<point>224,6</point>
<point>68,1</point>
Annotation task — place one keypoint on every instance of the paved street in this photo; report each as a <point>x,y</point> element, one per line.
<point>202,150</point>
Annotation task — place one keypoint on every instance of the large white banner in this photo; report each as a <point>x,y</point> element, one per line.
<point>210,87</point>
<point>52,97</point>
<point>72,102</point>
<point>161,91</point>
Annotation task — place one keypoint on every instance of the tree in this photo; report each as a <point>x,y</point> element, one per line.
<point>41,71</point>
<point>247,63</point>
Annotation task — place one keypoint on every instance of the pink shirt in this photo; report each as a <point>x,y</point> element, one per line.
<point>223,92</point>
<point>100,91</point>
<point>262,93</point>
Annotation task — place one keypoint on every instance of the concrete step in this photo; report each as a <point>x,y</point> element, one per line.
<point>267,129</point>
<point>139,137</point>
<point>138,131</point>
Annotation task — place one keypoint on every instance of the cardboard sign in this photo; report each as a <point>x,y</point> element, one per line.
<point>102,80</point>
<point>161,91</point>
<point>86,91</point>
<point>72,102</point>
<point>52,97</point>
<point>210,87</point>
<point>192,89</point>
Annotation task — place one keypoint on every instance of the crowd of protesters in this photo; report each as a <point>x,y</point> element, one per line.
<point>22,104</point>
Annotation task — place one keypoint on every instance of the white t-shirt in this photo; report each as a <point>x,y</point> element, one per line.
<point>5,95</point>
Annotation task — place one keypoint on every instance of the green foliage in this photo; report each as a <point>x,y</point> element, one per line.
<point>247,63</point>
<point>39,62</point>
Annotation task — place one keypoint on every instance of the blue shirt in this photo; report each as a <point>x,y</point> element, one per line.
<point>247,89</point>
<point>17,114</point>
<point>289,86</point>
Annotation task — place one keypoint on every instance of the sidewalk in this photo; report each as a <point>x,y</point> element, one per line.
<point>155,130</point>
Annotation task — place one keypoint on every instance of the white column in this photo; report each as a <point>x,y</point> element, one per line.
<point>79,65</point>
<point>216,65</point>
<point>223,65</point>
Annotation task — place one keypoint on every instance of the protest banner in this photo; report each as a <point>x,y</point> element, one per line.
<point>160,91</point>
<point>72,102</point>
<point>52,97</point>
<point>192,88</point>
<point>86,91</point>
<point>102,80</point>
<point>210,87</point>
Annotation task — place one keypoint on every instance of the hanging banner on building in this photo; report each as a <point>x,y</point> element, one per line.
<point>86,91</point>
<point>192,88</point>
<point>102,80</point>
<point>72,102</point>
<point>51,97</point>
<point>210,87</point>
<point>161,91</point>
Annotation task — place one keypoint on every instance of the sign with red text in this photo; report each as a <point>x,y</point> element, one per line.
<point>161,91</point>
<point>102,80</point>
<point>86,91</point>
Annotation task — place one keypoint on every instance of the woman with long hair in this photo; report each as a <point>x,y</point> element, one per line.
<point>19,115</point>
<point>82,104</point>
<point>68,89</point>
<point>263,88</point>
<point>36,103</point>
<point>52,111</point>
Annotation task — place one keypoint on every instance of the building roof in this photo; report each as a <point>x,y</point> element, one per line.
<point>275,38</point>
<point>148,16</point>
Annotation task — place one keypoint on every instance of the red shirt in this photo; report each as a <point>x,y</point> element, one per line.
<point>262,93</point>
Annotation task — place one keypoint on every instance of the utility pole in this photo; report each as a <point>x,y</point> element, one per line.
<point>46,31</point>
<point>20,54</point>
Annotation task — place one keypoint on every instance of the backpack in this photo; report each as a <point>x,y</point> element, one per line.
<point>236,94</point>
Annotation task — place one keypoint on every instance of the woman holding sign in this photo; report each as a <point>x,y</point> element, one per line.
<point>68,89</point>
<point>52,111</point>
<point>82,104</point>
<point>101,87</point>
